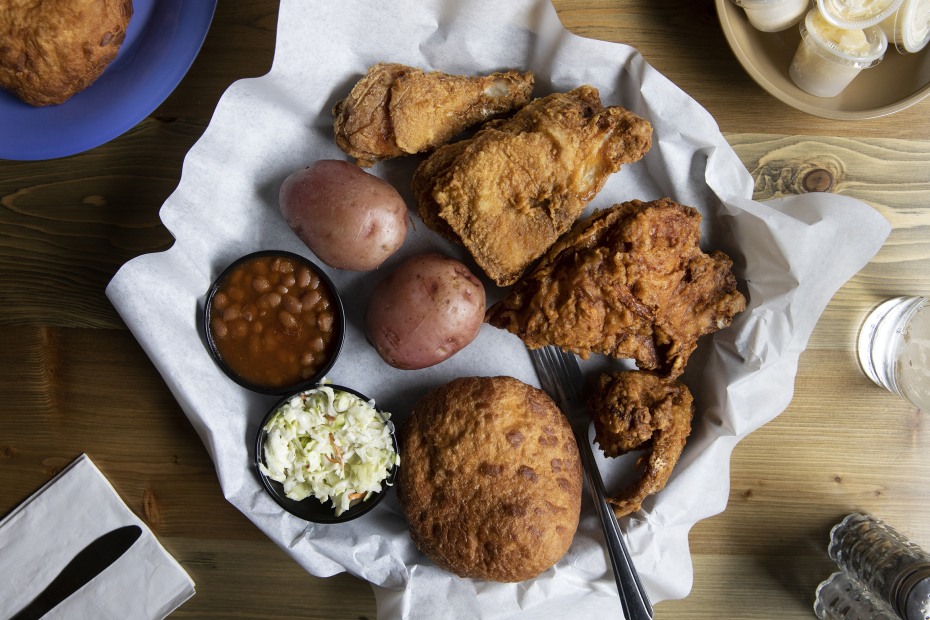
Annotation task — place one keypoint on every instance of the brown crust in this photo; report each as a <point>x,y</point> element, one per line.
<point>629,282</point>
<point>52,49</point>
<point>491,482</point>
<point>396,110</point>
<point>637,410</point>
<point>511,190</point>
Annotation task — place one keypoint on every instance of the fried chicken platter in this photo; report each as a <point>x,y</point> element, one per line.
<point>590,199</point>
<point>509,177</point>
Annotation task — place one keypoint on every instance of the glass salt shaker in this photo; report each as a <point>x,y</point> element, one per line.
<point>839,597</point>
<point>892,568</point>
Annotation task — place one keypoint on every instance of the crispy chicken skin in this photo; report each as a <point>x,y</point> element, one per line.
<point>52,49</point>
<point>511,190</point>
<point>396,110</point>
<point>628,282</point>
<point>638,410</point>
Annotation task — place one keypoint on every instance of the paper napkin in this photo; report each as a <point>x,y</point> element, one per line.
<point>46,531</point>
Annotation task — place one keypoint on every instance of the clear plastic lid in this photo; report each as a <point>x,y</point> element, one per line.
<point>852,14</point>
<point>911,31</point>
<point>860,47</point>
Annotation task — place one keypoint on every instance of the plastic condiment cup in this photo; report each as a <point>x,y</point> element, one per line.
<point>829,58</point>
<point>908,28</point>
<point>283,340</point>
<point>853,14</point>
<point>773,15</point>
<point>311,508</point>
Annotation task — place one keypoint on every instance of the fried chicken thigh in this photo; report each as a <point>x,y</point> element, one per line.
<point>637,410</point>
<point>511,190</point>
<point>629,282</point>
<point>398,110</point>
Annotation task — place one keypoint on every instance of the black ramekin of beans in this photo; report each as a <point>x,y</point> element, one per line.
<point>274,322</point>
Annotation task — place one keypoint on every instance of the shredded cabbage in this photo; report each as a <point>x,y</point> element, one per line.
<point>330,444</point>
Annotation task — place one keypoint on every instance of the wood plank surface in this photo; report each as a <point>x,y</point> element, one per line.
<point>73,379</point>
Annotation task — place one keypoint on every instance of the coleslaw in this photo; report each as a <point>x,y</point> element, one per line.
<point>330,444</point>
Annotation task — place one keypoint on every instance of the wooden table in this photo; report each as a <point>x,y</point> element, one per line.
<point>73,379</point>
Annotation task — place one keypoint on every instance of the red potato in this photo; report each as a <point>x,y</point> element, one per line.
<point>349,218</point>
<point>425,311</point>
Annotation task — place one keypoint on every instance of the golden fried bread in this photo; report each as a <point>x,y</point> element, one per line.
<point>629,282</point>
<point>397,110</point>
<point>638,410</point>
<point>491,482</point>
<point>511,190</point>
<point>53,49</point>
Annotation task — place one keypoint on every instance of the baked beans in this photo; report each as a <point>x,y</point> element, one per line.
<point>273,320</point>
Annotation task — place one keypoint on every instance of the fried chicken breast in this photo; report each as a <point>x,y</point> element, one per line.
<point>637,410</point>
<point>511,190</point>
<point>396,110</point>
<point>629,282</point>
<point>52,49</point>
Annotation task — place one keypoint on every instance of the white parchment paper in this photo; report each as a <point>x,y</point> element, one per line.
<point>791,255</point>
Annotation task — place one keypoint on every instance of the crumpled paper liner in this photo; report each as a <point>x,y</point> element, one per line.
<point>791,255</point>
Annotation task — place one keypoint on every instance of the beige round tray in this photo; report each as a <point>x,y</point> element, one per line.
<point>898,82</point>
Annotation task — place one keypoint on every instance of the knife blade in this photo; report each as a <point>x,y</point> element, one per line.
<point>87,564</point>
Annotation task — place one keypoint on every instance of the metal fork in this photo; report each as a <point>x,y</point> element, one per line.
<point>561,378</point>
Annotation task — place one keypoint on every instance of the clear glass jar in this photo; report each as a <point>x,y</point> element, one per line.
<point>894,348</point>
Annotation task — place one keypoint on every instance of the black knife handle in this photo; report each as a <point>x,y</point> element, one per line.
<point>87,564</point>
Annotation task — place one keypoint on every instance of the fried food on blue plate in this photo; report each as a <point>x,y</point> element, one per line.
<point>631,281</point>
<point>396,110</point>
<point>638,410</point>
<point>52,49</point>
<point>511,190</point>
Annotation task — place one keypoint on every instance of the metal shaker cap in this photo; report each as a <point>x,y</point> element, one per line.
<point>912,592</point>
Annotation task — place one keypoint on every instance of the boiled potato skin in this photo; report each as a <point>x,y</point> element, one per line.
<point>349,218</point>
<point>425,311</point>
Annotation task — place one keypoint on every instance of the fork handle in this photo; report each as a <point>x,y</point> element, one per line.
<point>633,597</point>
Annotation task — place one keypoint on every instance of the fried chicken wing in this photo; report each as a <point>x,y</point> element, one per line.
<point>511,190</point>
<point>638,410</point>
<point>629,282</point>
<point>397,110</point>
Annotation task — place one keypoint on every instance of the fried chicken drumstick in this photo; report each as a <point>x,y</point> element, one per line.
<point>638,410</point>
<point>629,282</point>
<point>511,190</point>
<point>397,110</point>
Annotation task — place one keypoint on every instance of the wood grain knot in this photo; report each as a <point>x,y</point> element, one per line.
<point>818,180</point>
<point>8,452</point>
<point>796,169</point>
<point>53,470</point>
<point>95,201</point>
<point>150,507</point>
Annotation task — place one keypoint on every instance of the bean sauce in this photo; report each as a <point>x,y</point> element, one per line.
<point>272,320</point>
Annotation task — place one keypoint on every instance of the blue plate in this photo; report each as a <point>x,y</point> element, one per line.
<point>162,40</point>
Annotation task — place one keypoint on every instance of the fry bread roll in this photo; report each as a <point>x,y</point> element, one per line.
<point>53,49</point>
<point>491,483</point>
